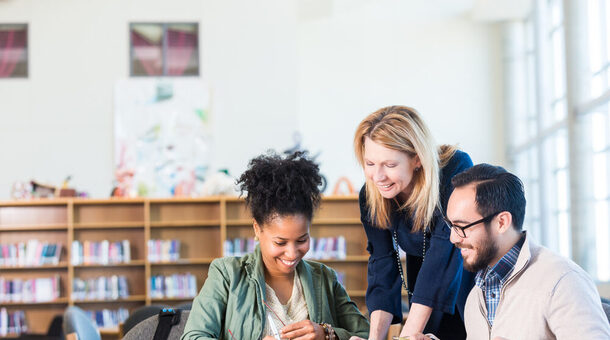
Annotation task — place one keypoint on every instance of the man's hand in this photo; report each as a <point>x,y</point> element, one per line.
<point>303,330</point>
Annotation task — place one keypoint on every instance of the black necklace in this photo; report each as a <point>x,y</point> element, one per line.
<point>396,248</point>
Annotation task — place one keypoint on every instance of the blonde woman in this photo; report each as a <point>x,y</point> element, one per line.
<point>402,204</point>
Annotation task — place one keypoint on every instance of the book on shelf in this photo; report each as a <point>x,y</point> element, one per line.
<point>12,322</point>
<point>327,248</point>
<point>41,289</point>
<point>173,286</point>
<point>163,250</point>
<point>239,246</point>
<point>30,253</point>
<point>103,252</point>
<point>108,318</point>
<point>101,288</point>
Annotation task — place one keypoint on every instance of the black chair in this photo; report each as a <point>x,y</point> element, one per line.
<point>54,332</point>
<point>138,316</point>
<point>147,328</point>
<point>185,306</point>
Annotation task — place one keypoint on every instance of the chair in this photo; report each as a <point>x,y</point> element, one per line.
<point>53,333</point>
<point>146,329</point>
<point>138,316</point>
<point>77,325</point>
<point>185,306</point>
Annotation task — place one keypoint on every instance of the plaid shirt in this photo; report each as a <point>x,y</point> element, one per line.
<point>491,280</point>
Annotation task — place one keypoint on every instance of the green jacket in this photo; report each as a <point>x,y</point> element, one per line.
<point>232,299</point>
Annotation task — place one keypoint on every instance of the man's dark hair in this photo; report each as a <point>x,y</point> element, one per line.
<point>280,186</point>
<point>496,190</point>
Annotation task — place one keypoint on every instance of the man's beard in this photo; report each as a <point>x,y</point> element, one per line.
<point>484,255</point>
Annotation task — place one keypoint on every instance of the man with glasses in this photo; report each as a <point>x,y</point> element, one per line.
<point>522,291</point>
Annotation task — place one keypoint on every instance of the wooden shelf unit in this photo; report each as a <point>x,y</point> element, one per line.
<point>201,224</point>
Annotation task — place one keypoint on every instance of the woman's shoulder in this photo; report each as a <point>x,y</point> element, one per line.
<point>460,158</point>
<point>320,269</point>
<point>231,266</point>
<point>459,162</point>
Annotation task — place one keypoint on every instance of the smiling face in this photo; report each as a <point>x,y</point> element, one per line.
<point>479,248</point>
<point>284,240</point>
<point>391,171</point>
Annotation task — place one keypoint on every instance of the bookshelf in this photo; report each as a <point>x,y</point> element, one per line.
<point>201,225</point>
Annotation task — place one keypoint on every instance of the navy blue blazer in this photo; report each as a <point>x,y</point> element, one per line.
<point>439,281</point>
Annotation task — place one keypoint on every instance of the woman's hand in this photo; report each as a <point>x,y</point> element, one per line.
<point>303,330</point>
<point>356,338</point>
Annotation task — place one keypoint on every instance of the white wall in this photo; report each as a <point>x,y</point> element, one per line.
<point>356,60</point>
<point>273,66</point>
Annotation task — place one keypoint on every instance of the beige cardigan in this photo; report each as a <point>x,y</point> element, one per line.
<point>545,297</point>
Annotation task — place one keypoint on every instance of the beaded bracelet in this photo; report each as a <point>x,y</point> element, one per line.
<point>329,332</point>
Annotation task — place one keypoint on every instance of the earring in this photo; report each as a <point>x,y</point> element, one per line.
<point>256,238</point>
<point>417,169</point>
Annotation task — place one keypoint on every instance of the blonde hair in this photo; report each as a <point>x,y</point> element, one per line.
<point>401,128</point>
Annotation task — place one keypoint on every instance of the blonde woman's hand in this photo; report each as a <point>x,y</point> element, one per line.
<point>303,330</point>
<point>356,338</point>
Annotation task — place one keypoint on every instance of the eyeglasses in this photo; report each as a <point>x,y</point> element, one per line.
<point>461,230</point>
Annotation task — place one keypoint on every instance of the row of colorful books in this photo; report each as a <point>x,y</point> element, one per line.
<point>30,253</point>
<point>163,250</point>
<point>102,252</point>
<point>12,322</point>
<point>173,286</point>
<point>322,248</point>
<point>239,246</point>
<point>327,248</point>
<point>29,290</point>
<point>108,318</point>
<point>101,288</point>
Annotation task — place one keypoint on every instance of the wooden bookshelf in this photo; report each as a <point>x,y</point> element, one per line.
<point>201,224</point>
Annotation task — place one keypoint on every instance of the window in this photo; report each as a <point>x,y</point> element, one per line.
<point>595,117</point>
<point>13,50</point>
<point>599,46</point>
<point>558,104</point>
<point>164,49</point>
<point>538,148</point>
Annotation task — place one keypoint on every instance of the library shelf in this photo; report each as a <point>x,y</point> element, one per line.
<point>114,331</point>
<point>349,258</point>
<point>59,301</point>
<point>60,265</point>
<point>202,225</point>
<point>132,263</point>
<point>110,225</point>
<point>184,262</point>
<point>131,298</point>
<point>335,221</point>
<point>183,224</point>
<point>34,227</point>
<point>356,293</point>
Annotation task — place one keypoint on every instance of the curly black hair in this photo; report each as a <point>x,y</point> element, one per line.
<point>277,185</point>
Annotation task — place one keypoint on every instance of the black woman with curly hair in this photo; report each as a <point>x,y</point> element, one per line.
<point>274,293</point>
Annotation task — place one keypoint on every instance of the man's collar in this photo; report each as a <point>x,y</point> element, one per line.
<point>505,266</point>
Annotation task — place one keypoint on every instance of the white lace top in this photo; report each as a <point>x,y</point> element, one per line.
<point>293,311</point>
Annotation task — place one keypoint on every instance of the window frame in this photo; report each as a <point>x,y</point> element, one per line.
<point>164,49</point>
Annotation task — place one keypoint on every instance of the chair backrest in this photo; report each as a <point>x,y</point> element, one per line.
<point>140,315</point>
<point>185,306</point>
<point>76,321</point>
<point>146,329</point>
<point>55,326</point>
